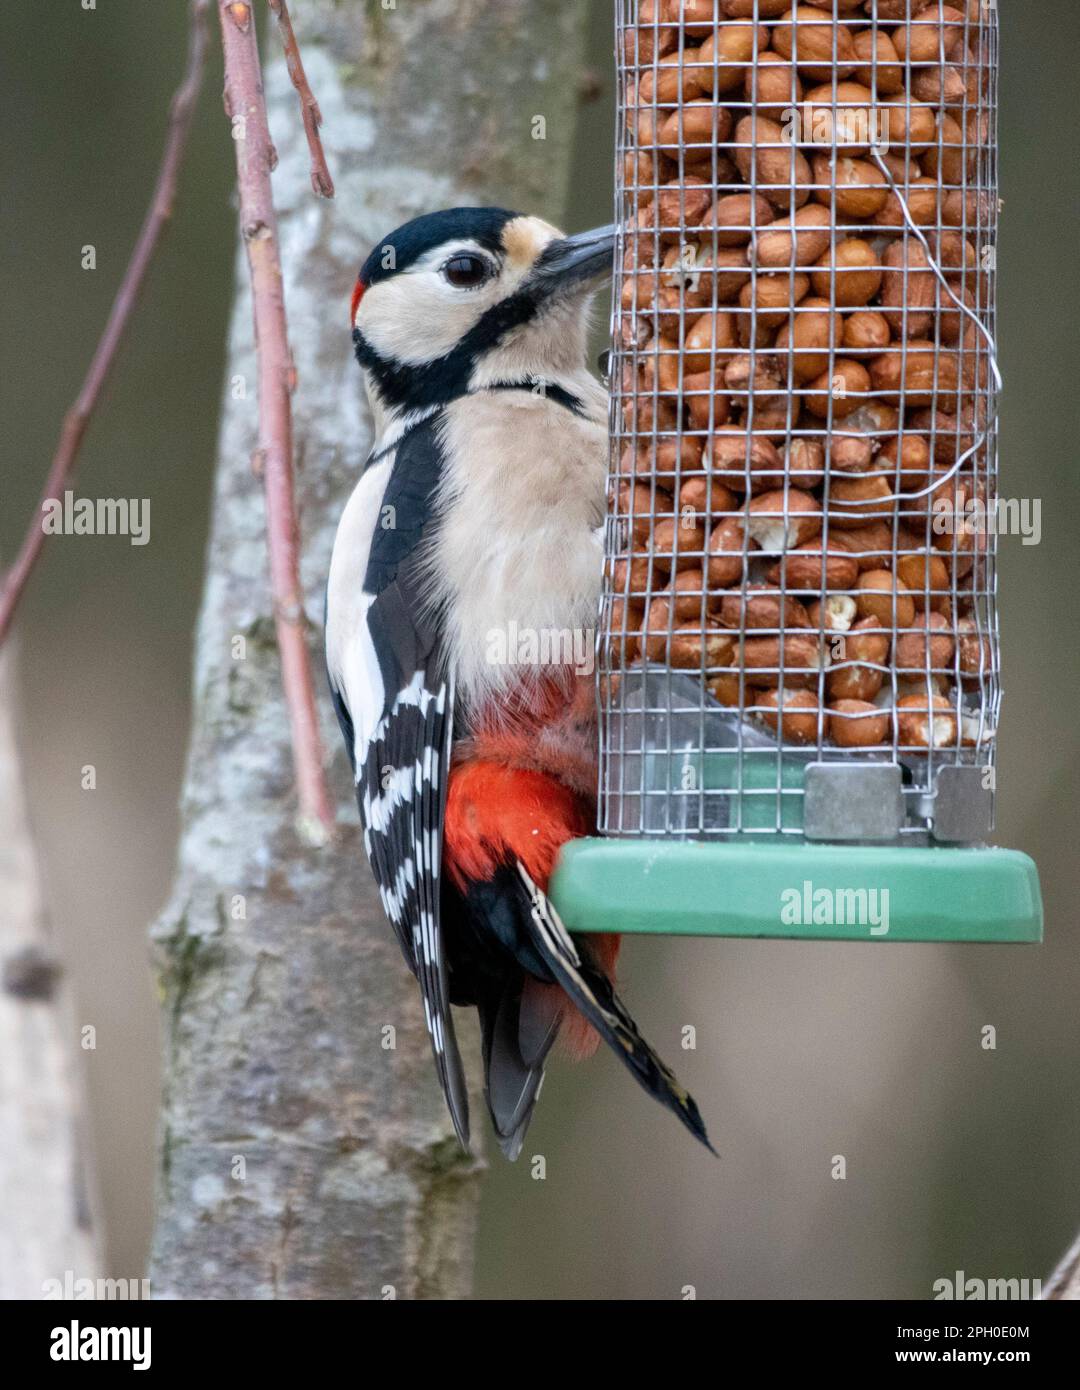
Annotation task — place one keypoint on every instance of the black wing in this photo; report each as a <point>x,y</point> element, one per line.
<point>402,767</point>
<point>569,960</point>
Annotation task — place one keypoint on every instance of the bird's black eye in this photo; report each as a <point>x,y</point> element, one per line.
<point>466,272</point>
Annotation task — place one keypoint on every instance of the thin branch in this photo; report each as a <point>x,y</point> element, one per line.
<point>255,158</point>
<point>158,214</point>
<point>321,181</point>
<point>1064,1283</point>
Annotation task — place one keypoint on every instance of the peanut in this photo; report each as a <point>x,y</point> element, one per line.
<point>849,272</point>
<point>805,237</point>
<point>772,164</point>
<point>857,724</point>
<point>794,717</point>
<point>815,43</point>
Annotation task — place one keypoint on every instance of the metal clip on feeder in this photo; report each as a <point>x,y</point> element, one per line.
<point>798,662</point>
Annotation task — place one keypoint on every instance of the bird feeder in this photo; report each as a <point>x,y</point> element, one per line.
<point>798,666</point>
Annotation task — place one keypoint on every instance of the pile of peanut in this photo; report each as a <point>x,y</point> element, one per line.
<point>792,371</point>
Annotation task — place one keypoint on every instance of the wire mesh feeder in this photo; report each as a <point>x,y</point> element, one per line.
<point>798,666</point>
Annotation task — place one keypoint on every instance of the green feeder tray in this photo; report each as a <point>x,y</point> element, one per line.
<point>794,890</point>
<point>781,868</point>
<point>714,830</point>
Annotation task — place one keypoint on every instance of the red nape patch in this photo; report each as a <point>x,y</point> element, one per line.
<point>357,295</point>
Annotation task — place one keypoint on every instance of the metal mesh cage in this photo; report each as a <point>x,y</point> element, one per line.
<point>799,634</point>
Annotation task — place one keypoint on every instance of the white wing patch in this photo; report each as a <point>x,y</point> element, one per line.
<point>351,659</point>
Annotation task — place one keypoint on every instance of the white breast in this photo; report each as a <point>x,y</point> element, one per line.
<point>519,548</point>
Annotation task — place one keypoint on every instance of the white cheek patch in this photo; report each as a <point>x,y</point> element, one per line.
<point>417,317</point>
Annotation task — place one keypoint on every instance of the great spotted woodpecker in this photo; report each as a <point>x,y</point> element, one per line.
<point>479,513</point>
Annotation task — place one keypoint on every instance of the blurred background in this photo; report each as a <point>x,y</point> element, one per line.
<point>957,1157</point>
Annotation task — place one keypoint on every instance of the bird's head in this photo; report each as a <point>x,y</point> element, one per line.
<point>461,299</point>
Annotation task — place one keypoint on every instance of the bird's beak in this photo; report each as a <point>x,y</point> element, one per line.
<point>575,260</point>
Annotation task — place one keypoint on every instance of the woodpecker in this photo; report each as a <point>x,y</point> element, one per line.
<point>479,512</point>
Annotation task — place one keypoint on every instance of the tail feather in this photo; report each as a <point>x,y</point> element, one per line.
<point>516,1043</point>
<point>591,990</point>
<point>540,1021</point>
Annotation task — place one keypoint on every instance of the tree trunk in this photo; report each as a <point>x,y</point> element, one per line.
<point>46,1232</point>
<point>305,1148</point>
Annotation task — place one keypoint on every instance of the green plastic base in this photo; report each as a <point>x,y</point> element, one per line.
<point>796,890</point>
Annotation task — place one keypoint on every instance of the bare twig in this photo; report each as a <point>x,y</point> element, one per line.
<point>158,214</point>
<point>321,181</point>
<point>1064,1283</point>
<point>255,158</point>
